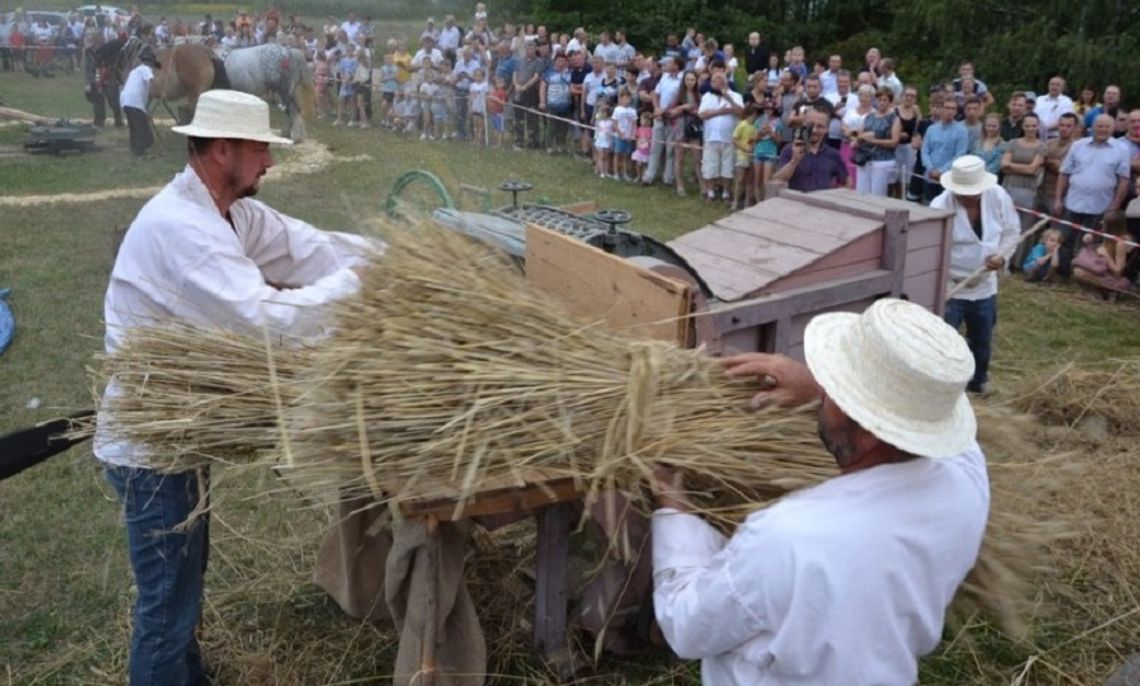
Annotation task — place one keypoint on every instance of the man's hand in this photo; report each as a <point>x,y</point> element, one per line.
<point>669,489</point>
<point>784,382</point>
<point>935,175</point>
<point>995,262</point>
<point>798,151</point>
<point>1058,208</point>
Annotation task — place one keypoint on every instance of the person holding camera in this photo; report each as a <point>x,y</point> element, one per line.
<point>809,164</point>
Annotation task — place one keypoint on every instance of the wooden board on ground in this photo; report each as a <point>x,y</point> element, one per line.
<point>598,286</point>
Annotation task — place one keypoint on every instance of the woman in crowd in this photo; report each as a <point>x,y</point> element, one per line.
<point>909,114</point>
<point>1023,165</point>
<point>1103,262</point>
<point>689,101</point>
<point>991,147</point>
<point>853,126</point>
<point>772,76</point>
<point>880,136</point>
<point>1085,102</point>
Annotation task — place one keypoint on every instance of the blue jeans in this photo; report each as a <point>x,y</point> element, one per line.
<point>168,558</point>
<point>980,317</point>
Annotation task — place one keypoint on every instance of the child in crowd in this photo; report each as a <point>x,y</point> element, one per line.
<point>346,104</point>
<point>766,150</point>
<point>429,91</point>
<point>610,85</point>
<point>625,127</point>
<point>644,144</point>
<point>480,12</point>
<point>495,105</point>
<point>744,140</point>
<point>322,75</point>
<point>603,138</point>
<point>1042,260</point>
<point>477,106</point>
<point>361,85</point>
<point>443,103</point>
<point>388,87</point>
<point>410,95</point>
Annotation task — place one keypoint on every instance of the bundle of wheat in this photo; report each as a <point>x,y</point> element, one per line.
<point>1072,394</point>
<point>448,374</point>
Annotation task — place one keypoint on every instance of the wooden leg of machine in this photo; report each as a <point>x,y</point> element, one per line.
<point>428,666</point>
<point>550,602</point>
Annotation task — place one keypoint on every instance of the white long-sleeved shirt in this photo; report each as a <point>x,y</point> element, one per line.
<point>844,583</point>
<point>1001,231</point>
<point>181,259</point>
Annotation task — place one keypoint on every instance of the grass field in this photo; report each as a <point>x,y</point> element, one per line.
<point>65,587</point>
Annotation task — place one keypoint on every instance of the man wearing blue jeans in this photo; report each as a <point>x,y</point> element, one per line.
<point>986,229</point>
<point>204,252</point>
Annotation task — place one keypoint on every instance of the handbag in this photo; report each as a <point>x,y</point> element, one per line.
<point>861,155</point>
<point>694,128</point>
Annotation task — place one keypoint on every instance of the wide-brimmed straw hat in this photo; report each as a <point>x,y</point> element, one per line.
<point>900,372</point>
<point>230,114</point>
<point>968,176</point>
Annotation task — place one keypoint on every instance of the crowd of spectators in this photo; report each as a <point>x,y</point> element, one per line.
<point>692,112</point>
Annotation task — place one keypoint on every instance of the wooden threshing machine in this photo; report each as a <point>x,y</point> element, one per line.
<point>748,282</point>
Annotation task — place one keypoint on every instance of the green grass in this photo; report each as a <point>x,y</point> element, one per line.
<point>65,587</point>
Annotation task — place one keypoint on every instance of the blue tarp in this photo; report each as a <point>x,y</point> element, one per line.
<point>7,321</point>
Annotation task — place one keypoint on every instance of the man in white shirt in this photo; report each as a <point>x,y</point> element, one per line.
<point>449,37</point>
<point>351,27</point>
<point>607,49</point>
<point>720,109</point>
<point>986,231</point>
<point>204,252</point>
<point>829,79</point>
<point>579,42</point>
<point>427,56</point>
<point>134,99</point>
<point>1051,106</point>
<point>625,51</point>
<point>846,582</point>
<point>667,123</point>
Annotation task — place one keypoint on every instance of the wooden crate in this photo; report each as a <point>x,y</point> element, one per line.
<point>772,267</point>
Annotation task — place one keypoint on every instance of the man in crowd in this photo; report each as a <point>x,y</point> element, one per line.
<point>888,78</point>
<point>449,38</point>
<point>205,252</point>
<point>720,109</point>
<point>846,582</point>
<point>625,52</point>
<point>1011,125</point>
<point>812,100</point>
<point>972,120</point>
<point>528,73</point>
<point>607,49</point>
<point>101,89</point>
<point>985,233</point>
<point>1055,152</point>
<point>1110,105</point>
<point>944,141</point>
<point>351,27</point>
<point>755,55</point>
<point>134,99</point>
<point>667,123</point>
<point>829,78</point>
<point>840,101</point>
<point>466,64</point>
<point>812,165</point>
<point>1051,106</point>
<point>427,57</point>
<point>966,71</point>
<point>554,98</point>
<point>1092,180</point>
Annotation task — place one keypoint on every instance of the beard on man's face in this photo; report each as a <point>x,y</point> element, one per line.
<point>837,442</point>
<point>243,190</point>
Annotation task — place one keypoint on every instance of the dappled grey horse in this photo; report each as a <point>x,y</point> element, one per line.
<point>276,70</point>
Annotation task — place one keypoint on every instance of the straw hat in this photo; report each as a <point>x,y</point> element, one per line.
<point>230,114</point>
<point>968,176</point>
<point>900,372</point>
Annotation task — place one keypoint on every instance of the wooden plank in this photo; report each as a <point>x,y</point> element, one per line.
<point>923,261</point>
<point>764,258</point>
<point>742,227</point>
<point>550,593</point>
<point>597,286</point>
<point>797,215</point>
<point>581,208</point>
<point>894,248</point>
<point>881,203</point>
<point>726,278</point>
<point>825,200</point>
<point>924,234</point>
<point>806,279</point>
<point>855,252</point>
<point>923,289</point>
<point>768,308</point>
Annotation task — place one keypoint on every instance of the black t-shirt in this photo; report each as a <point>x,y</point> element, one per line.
<point>756,59</point>
<point>821,103</point>
<point>578,74</point>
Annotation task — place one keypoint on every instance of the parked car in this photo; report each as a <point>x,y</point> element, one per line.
<point>116,15</point>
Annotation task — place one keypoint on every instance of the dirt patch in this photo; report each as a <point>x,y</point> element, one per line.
<point>307,158</point>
